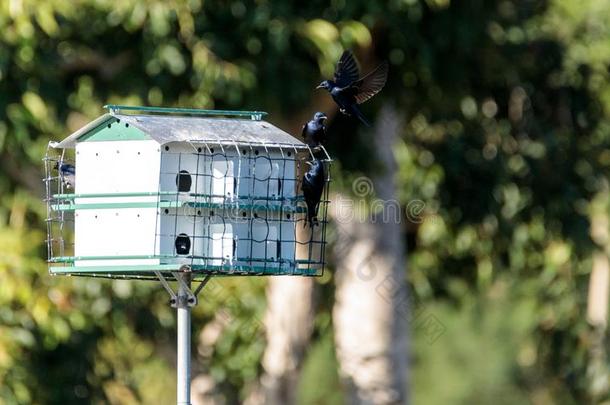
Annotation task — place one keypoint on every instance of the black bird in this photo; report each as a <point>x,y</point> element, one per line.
<point>67,174</point>
<point>313,185</point>
<point>348,90</point>
<point>314,132</point>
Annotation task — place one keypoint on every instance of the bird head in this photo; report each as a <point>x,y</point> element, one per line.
<point>314,164</point>
<point>319,117</point>
<point>324,85</point>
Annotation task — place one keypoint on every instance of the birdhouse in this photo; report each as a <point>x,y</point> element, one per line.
<point>140,191</point>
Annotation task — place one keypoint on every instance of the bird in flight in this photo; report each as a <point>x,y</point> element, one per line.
<point>348,90</point>
<point>313,185</point>
<point>314,132</point>
<point>67,174</point>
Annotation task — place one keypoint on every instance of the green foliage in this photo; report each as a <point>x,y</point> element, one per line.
<point>319,382</point>
<point>484,342</point>
<point>505,106</point>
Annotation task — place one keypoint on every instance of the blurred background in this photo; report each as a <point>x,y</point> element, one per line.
<point>469,224</point>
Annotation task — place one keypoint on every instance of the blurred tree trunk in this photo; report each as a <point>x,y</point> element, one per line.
<point>597,299</point>
<point>369,313</point>
<point>288,323</point>
<point>597,315</point>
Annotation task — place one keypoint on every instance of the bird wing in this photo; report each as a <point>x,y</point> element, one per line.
<point>370,84</point>
<point>347,70</point>
<point>67,169</point>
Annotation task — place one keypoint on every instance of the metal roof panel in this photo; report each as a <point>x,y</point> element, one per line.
<point>197,129</point>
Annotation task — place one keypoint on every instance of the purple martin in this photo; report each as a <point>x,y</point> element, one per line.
<point>348,90</point>
<point>67,174</point>
<point>313,185</point>
<point>314,132</point>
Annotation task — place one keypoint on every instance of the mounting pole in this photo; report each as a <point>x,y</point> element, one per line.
<point>184,339</point>
<point>183,300</point>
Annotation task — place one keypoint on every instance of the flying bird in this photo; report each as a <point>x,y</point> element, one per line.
<point>313,185</point>
<point>314,132</point>
<point>348,90</point>
<point>67,174</point>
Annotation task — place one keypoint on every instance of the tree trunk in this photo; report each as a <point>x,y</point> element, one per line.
<point>597,300</point>
<point>597,315</point>
<point>288,321</point>
<point>370,317</point>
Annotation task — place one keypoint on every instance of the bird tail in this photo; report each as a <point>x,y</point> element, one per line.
<point>360,116</point>
<point>312,217</point>
<point>311,220</point>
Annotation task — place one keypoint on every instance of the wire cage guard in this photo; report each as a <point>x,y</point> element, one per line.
<point>209,205</point>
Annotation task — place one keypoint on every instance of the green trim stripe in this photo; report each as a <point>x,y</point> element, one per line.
<point>101,195</point>
<point>71,206</point>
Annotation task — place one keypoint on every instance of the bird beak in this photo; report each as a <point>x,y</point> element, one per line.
<point>309,163</point>
<point>319,87</point>
<point>324,117</point>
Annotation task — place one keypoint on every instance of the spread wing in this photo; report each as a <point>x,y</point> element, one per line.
<point>370,84</point>
<point>347,70</point>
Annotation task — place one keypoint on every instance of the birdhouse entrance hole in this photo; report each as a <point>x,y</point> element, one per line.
<point>183,244</point>
<point>184,181</point>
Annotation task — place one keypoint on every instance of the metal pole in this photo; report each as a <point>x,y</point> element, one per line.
<point>184,342</point>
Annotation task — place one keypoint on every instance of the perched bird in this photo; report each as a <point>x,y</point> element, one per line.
<point>348,90</point>
<point>67,174</point>
<point>313,185</point>
<point>314,132</point>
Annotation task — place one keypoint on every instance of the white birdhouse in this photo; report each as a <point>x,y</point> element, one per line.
<point>162,190</point>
